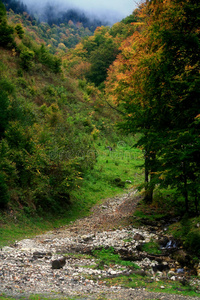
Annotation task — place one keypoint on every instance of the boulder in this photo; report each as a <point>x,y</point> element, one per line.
<point>138,237</point>
<point>58,263</point>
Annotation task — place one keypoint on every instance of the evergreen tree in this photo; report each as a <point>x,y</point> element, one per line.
<point>156,81</point>
<point>6,31</point>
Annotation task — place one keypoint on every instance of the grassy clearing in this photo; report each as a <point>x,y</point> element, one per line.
<point>107,179</point>
<point>21,227</point>
<point>135,281</point>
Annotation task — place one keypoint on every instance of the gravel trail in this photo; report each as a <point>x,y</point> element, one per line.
<point>25,268</point>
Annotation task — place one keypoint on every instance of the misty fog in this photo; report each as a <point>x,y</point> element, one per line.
<point>109,11</point>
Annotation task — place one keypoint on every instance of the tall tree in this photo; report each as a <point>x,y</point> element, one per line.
<point>179,23</point>
<point>155,79</point>
<point>128,86</point>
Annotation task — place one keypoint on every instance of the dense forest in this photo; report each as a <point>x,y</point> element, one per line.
<point>65,85</point>
<point>155,82</point>
<point>52,15</point>
<point>59,31</point>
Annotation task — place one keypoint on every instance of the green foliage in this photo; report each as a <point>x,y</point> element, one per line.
<point>19,30</point>
<point>192,242</point>
<point>94,54</point>
<point>4,194</point>
<point>102,51</point>
<point>6,31</point>
<point>154,81</point>
<point>45,146</point>
<point>59,37</point>
<point>49,60</point>
<point>48,166</point>
<point>4,103</point>
<point>31,53</point>
<point>26,57</point>
<point>18,137</point>
<point>6,88</point>
<point>100,59</point>
<point>188,232</point>
<point>130,19</point>
<point>190,235</point>
<point>2,11</point>
<point>53,207</point>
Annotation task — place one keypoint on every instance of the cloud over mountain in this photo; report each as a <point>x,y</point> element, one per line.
<point>109,11</point>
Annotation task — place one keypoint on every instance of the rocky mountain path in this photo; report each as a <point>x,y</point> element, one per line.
<point>26,267</point>
<point>113,213</point>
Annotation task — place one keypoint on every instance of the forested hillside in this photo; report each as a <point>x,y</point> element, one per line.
<point>142,73</point>
<point>92,57</point>
<point>57,31</point>
<point>48,124</point>
<point>149,64</point>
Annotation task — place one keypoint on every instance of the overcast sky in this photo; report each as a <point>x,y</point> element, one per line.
<point>118,9</point>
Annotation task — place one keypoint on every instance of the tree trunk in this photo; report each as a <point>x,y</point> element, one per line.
<point>185,191</point>
<point>148,198</point>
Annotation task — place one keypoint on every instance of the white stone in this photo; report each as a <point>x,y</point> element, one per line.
<point>173,278</point>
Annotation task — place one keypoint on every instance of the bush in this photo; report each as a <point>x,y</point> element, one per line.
<point>19,30</point>
<point>192,242</point>
<point>4,195</point>
<point>49,60</point>
<point>4,103</point>
<point>26,59</point>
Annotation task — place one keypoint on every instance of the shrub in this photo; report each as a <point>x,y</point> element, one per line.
<point>26,59</point>
<point>49,60</point>
<point>4,195</point>
<point>192,242</point>
<point>19,30</point>
<point>4,103</point>
<point>7,86</point>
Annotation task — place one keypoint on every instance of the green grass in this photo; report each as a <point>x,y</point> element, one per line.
<point>98,184</point>
<point>135,281</point>
<point>36,297</point>
<point>21,227</point>
<point>143,215</point>
<point>109,257</point>
<point>152,247</point>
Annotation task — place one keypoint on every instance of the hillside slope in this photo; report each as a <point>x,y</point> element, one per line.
<point>59,31</point>
<point>49,122</point>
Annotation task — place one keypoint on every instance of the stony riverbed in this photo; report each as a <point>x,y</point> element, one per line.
<point>25,267</point>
